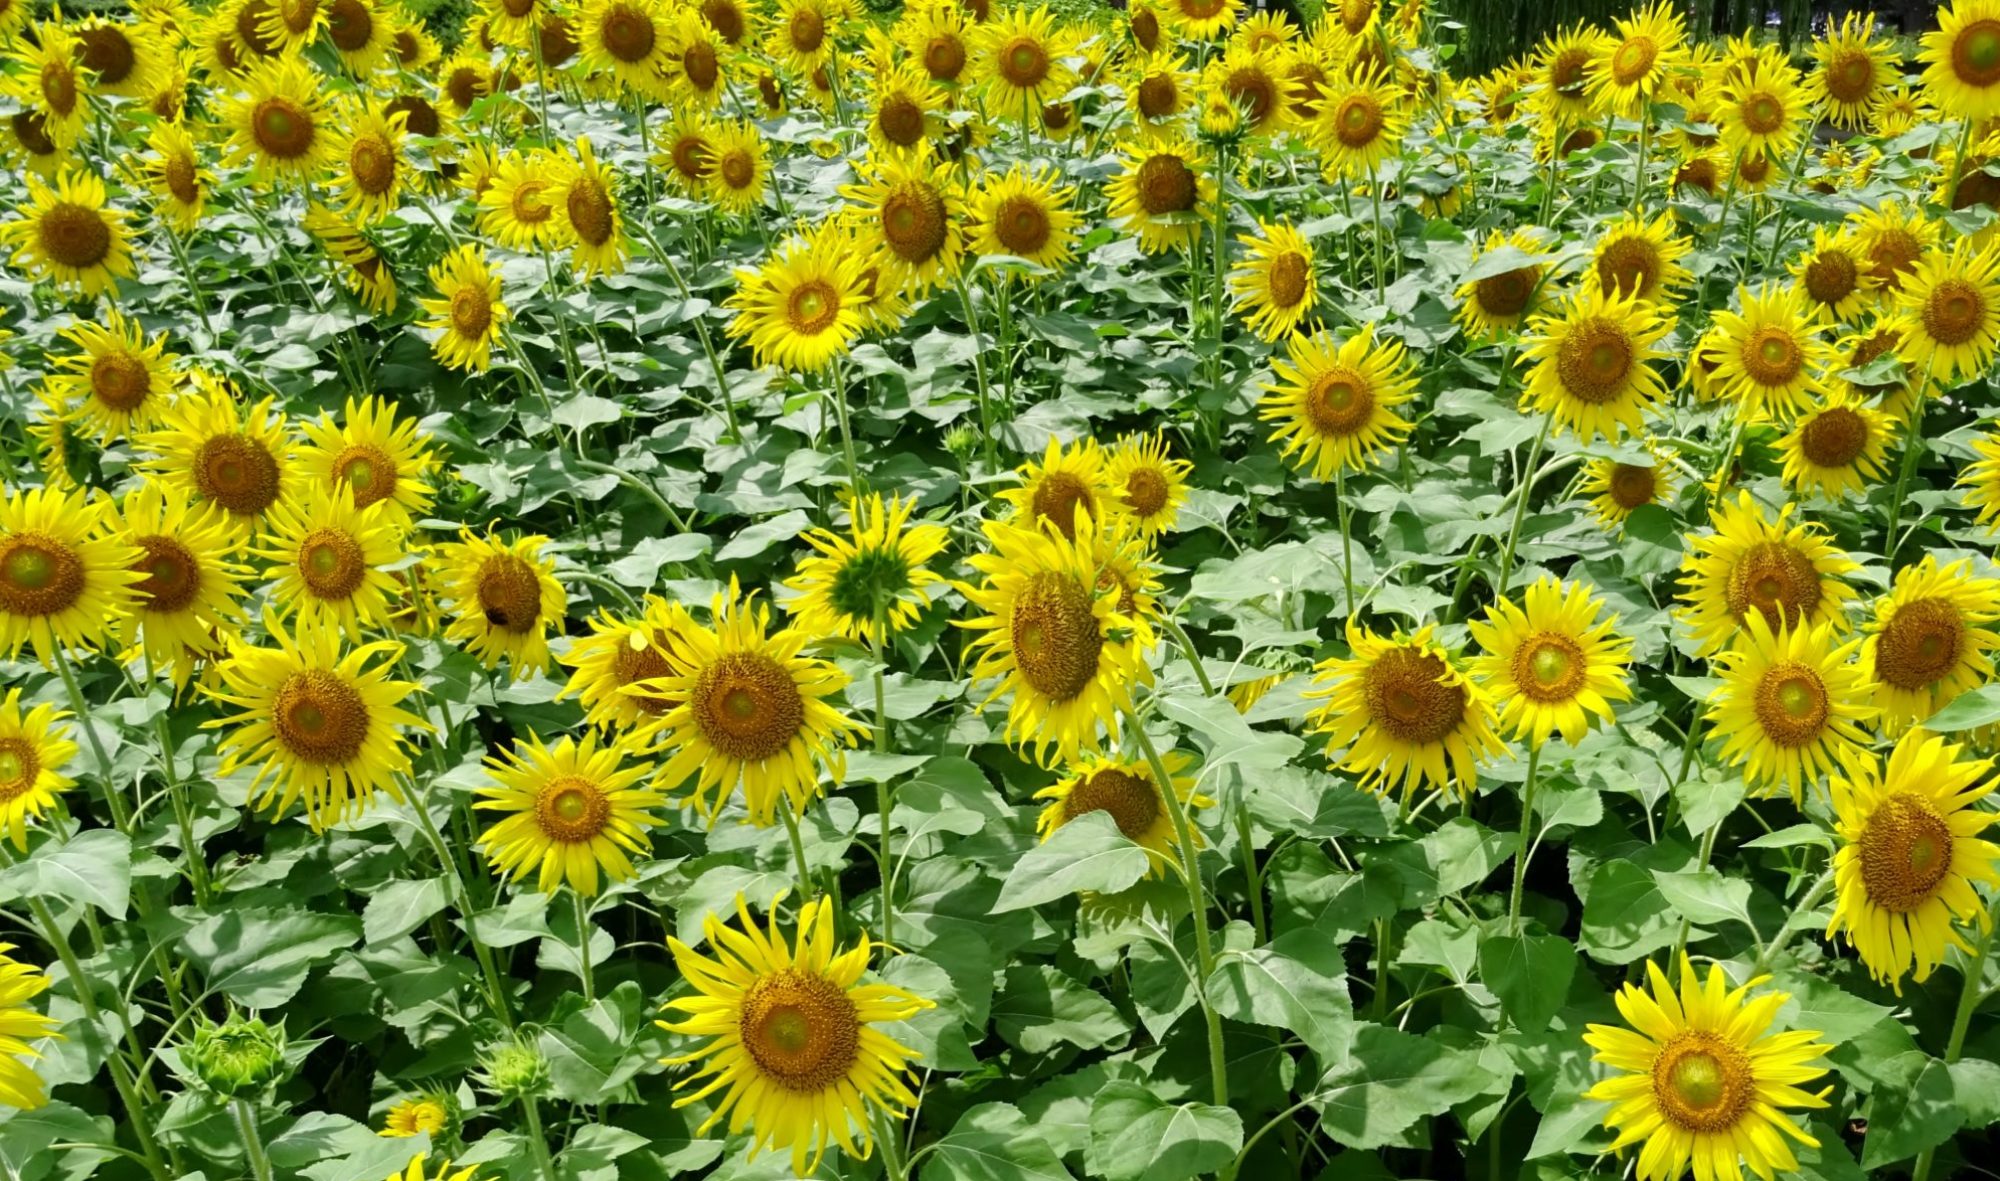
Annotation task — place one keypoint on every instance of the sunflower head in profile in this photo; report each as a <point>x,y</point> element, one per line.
<point>1360,122</point>
<point>804,306</point>
<point>747,708</point>
<point>189,599</point>
<point>1869,365</point>
<point>1855,67</point>
<point>467,312</point>
<point>1056,633</point>
<point>1334,406</point>
<point>1636,60</point>
<point>428,1113</point>
<point>1400,713</point>
<point>1837,448</point>
<point>1125,790</point>
<point>1504,285</point>
<point>1069,480</point>
<point>67,235</point>
<point>35,746</point>
<point>1700,1077</point>
<point>1981,479</point>
<point>329,558</point>
<point>503,598</point>
<point>1785,572</point>
<point>1554,661</point>
<point>1615,488</point>
<point>1591,360</point>
<point>279,123</point>
<point>364,269</point>
<point>1951,309</point>
<point>116,382</point>
<point>1162,191</point>
<point>1791,705</point>
<point>620,652</point>
<point>1930,640</point>
<point>318,724</point>
<point>871,581</point>
<point>1911,855</point>
<point>1026,214</point>
<point>914,216</point>
<point>791,1038</point>
<point>1962,59</point>
<point>20,1086</point>
<point>575,810</point>
<point>1275,287</point>
<point>1148,486</point>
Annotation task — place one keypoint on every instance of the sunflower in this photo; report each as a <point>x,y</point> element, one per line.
<point>370,168</point>
<point>1615,489</point>
<point>1402,709</point>
<point>696,66</point>
<point>1249,81</point>
<point>1069,480</point>
<point>34,748</point>
<point>628,41</point>
<point>361,33</point>
<point>1276,283</point>
<point>1762,110</point>
<point>320,725</point>
<point>1640,260</point>
<point>278,124</point>
<point>517,208</point>
<point>465,79</point>
<point>220,452</point>
<point>432,1113</point>
<point>1833,273</point>
<point>1856,70</point>
<point>65,234</point>
<point>1025,214</point>
<point>1554,661</point>
<point>1266,30</point>
<point>1894,235</point>
<point>1899,110</point>
<point>1699,170</point>
<point>512,22</point>
<point>50,83</point>
<point>792,1040</point>
<point>1493,300</point>
<point>1147,488</point>
<point>20,1026</point>
<point>1335,404</point>
<point>904,110</point>
<point>65,580</point>
<point>373,456</point>
<point>737,165</point>
<point>1981,479</point>
<point>189,597</point>
<point>364,270</point>
<point>24,141</point>
<point>1771,362</point>
<point>688,151</point>
<point>1791,704</point>
<point>1201,20</point>
<point>871,582</point>
<point>412,45</point>
<point>748,709</point>
<point>1911,855</point>
<point>1360,123</point>
<point>573,810</point>
<point>1632,64</point>
<point>1837,447</point>
<point>1928,642</point>
<point>1782,573</point>
<point>804,306</point>
<point>123,60</point>
<point>176,176</point>
<point>1162,191</point>
<point>938,38</point>
<point>1562,73</point>
<point>619,653</point>
<point>1877,343</point>
<point>1157,89</point>
<point>116,382</point>
<point>586,201</point>
<point>1952,305</point>
<point>803,31</point>
<point>504,598</point>
<point>1962,59</point>
<point>1592,361</point>
<point>1125,789</point>
<point>330,557</point>
<point>288,26</point>
<point>467,314</point>
<point>917,212</point>
<point>1701,1080</point>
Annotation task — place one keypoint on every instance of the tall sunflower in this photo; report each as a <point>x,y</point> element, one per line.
<point>67,235</point>
<point>622,652</point>
<point>1762,110</point>
<point>586,201</point>
<point>20,1027</point>
<point>1952,311</point>
<point>1700,1079</point>
<point>1856,69</point>
<point>364,269</point>
<point>1275,287</point>
<point>1147,487</point>
<point>219,451</point>
<point>1791,704</point>
<point>503,597</point>
<point>1894,235</point>
<point>1592,359</point>
<point>330,558</point>
<point>175,173</point>
<point>1335,404</point>
<point>870,582</point>
<point>517,209</point>
<point>188,602</point>
<point>1025,214</point>
<point>792,1040</point>
<point>319,724</point>
<point>1785,573</point>
<point>1070,479</point>
<point>1838,447</point>
<point>1636,60</point>
<point>1555,661</point>
<point>804,306</point>
<point>1929,640</point>
<point>1640,260</point>
<point>117,381</point>
<point>574,810</point>
<point>278,123</point>
<point>467,314</point>
<point>1770,360</point>
<point>1403,711</point>
<point>1496,297</point>
<point>1361,121</point>
<point>914,213</point>
<point>750,710</point>
<point>1126,790</point>
<point>1019,57</point>
<point>625,40</point>
<point>1962,59</point>
<point>1162,192</point>
<point>1562,75</point>
<point>35,746</point>
<point>50,82</point>
<point>1157,88</point>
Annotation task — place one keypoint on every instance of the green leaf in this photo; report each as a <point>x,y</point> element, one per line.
<point>1389,1080</point>
<point>397,908</point>
<point>1042,1008</point>
<point>92,868</point>
<point>1705,896</point>
<point>1915,1108</point>
<point>259,958</point>
<point>1968,711</point>
<point>755,539</point>
<point>1136,1134</point>
<point>993,1142</point>
<point>1088,853</point>
<point>1624,915</point>
<point>1707,798</point>
<point>1298,982</point>
<point>601,1047</point>
<point>1232,742</point>
<point>1464,851</point>
<point>1976,1082</point>
<point>1530,974</point>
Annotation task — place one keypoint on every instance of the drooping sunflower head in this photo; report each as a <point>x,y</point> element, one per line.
<point>575,810</point>
<point>35,746</point>
<point>65,233</point>
<point>1162,192</point>
<point>1786,573</point>
<point>1400,712</point>
<point>1504,285</point>
<point>1791,705</point>
<point>1125,790</point>
<point>363,268</point>
<point>1335,405</point>
<point>467,312</point>
<point>1592,359</point>
<point>1275,287</point>
<point>1554,661</point>
<point>1962,59</point>
<point>871,581</point>
<point>1838,447</point>
<point>1148,487</point>
<point>1929,640</point>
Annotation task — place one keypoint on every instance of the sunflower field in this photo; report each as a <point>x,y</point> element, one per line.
<point>766,589</point>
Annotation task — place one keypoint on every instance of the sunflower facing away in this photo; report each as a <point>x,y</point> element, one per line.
<point>1786,573</point>
<point>749,709</point>
<point>318,724</point>
<point>20,1086</point>
<point>792,1044</point>
<point>34,748</point>
<point>1404,713</point>
<point>1836,448</point>
<point>116,382</point>
<point>1615,489</point>
<point>1125,789</point>
<point>1930,640</point>
<point>621,652</point>
<point>504,598</point>
<point>67,235</point>
<point>1791,705</point>
<point>1962,59</point>
<point>1592,359</point>
<point>1161,193</point>
<point>1335,405</point>
<point>804,306</point>
<point>1497,297</point>
<point>871,581</point>
<point>575,810</point>
<point>1699,1079</point>
<point>64,578</point>
<point>1910,855</point>
<point>330,557</point>
<point>189,599</point>
<point>1148,487</point>
<point>1554,661</point>
<point>237,457</point>
<point>1951,302</point>
<point>467,313</point>
<point>375,456</point>
<point>363,268</point>
<point>1274,288</point>
<point>1025,214</point>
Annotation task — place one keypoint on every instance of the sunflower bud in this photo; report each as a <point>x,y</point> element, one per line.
<point>238,1058</point>
<point>515,1070</point>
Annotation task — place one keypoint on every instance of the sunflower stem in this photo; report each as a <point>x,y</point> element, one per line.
<point>894,1166</point>
<point>583,945</point>
<point>1188,650</point>
<point>804,870</point>
<point>1253,882</point>
<point>496,992</point>
<point>1375,237</point>
<point>1958,165</point>
<point>837,391</point>
<point>1528,474</point>
<point>1639,176</point>
<point>538,1139</point>
<point>979,376</point>
<point>882,793</point>
<point>1792,917</point>
<point>1521,844</point>
<point>253,1142</point>
<point>1968,999</point>
<point>193,284</point>
<point>1913,448</point>
<point>1346,537</point>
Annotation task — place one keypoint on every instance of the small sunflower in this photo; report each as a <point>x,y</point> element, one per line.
<point>279,123</point>
<point>116,382</point>
<point>915,215</point>
<point>1962,59</point>
<point>371,169</point>
<point>1360,123</point>
<point>20,1027</point>
<point>1201,20</point>
<point>1929,640</point>
<point>189,597</point>
<point>1951,302</point>
<point>1125,789</point>
<point>1025,214</point>
<point>575,810</point>
<point>1639,260</point>
<point>1634,62</point>
<point>1786,574</point>
<point>1911,855</point>
<point>1592,359</point>
<point>467,313</point>
<point>25,142</point>
<point>804,306</point>
<point>433,1113</point>
<point>738,165</point>
<point>586,201</point>
<point>871,580</point>
<point>517,208</point>
<point>1275,287</point>
<point>1877,345</point>
<point>1403,710</point>
<point>1856,70</point>
<point>1615,489</point>
<point>1249,81</point>
<point>1335,404</point>
<point>1981,479</point>
<point>622,652</point>
<point>1069,480</point>
<point>175,173</point>
<point>1555,661</point>
<point>1494,301</point>
<point>330,557</point>
<point>792,1040</point>
<point>938,38</point>
<point>802,33</point>
<point>221,452</point>
<point>320,725</point>
<point>35,746</point>
<point>50,82</point>
<point>1791,705</point>
<point>1702,1080</point>
<point>1894,235</point>
<point>749,710</point>
<point>66,234</point>
<point>1838,447</point>
<point>1771,361</point>
<point>1762,110</point>
<point>1162,191</point>
<point>1833,272</point>
<point>504,597</point>
<point>1147,488</point>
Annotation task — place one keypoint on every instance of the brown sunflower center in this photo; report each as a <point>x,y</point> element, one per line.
<point>1954,312</point>
<point>813,307</point>
<point>1505,296</point>
<point>1773,356</point>
<point>1355,14</point>
<point>237,472</point>
<point>801,1031</point>
<point>1975,54</point>
<point>900,120</point>
<point>1629,266</point>
<point>1549,668</point>
<point>558,42</point>
<point>1158,96</point>
<point>1702,1082</point>
<point>1290,276</point>
<point>691,156</point>
<point>570,809</point>
<point>1920,644</point>
<point>1776,581</point>
<point>1308,83</point>
<point>518,8</point>
<point>627,33</point>
<point>527,205</point>
<point>1906,851</point>
<point>107,52</point>
<point>465,85</point>
<point>1632,485</point>
<point>20,766</point>
<point>250,28</point>
<point>1056,117</point>
<point>1596,359</point>
<point>747,706</point>
<point>1835,437</point>
<point>368,472</point>
<point>1130,800</point>
<point>408,48</point>
<point>1022,226</point>
<point>1340,401</point>
<point>282,128</point>
<point>737,169</point>
<point>1850,76</point>
<point>1357,121</point>
<point>1056,636</point>
<point>1023,62</point>
<point>725,18</point>
<point>590,210</point>
<point>1145,29</point>
<point>913,221</point>
<point>74,235</point>
<point>419,116</point>
<point>372,162</point>
<point>1145,492</point>
<point>1698,173</point>
<point>1569,71</point>
<point>319,717</point>
<point>807,30</point>
<point>32,129</point>
<point>298,15</point>
<point>1634,60</point>
<point>471,311</point>
<point>1165,185</point>
<point>1791,705</point>
<point>59,87</point>
<point>1410,696</point>
<point>700,65</point>
<point>39,574</point>
<point>349,24</point>
<point>331,564</point>
<point>1763,113</point>
<point>1831,277</point>
<point>509,594</point>
<point>630,665</point>
<point>177,172</point>
<point>172,575</point>
<point>944,57</point>
<point>1582,139</point>
<point>1893,255</point>
<point>1253,91</point>
<point>120,381</point>
<point>1057,497</point>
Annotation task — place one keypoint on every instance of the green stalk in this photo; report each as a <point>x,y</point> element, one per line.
<point>1968,1000</point>
<point>798,848</point>
<point>538,1139</point>
<point>583,944</point>
<point>1521,506</point>
<point>496,991</point>
<point>1346,536</point>
<point>1913,447</point>
<point>882,794</point>
<point>837,391</point>
<point>1521,845</point>
<point>979,375</point>
<point>253,1143</point>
